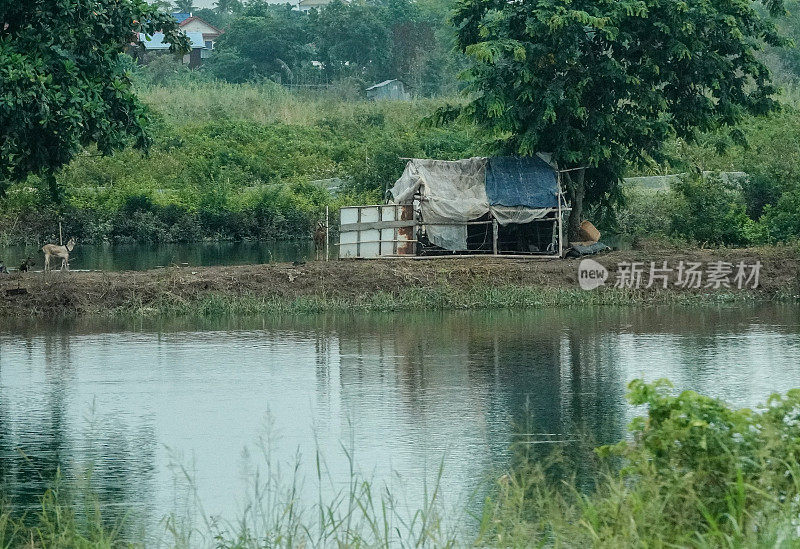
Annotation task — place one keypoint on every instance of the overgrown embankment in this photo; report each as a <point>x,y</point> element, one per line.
<point>232,162</point>
<point>383,285</point>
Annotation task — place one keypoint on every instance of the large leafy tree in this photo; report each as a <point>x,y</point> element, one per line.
<point>184,6</point>
<point>411,35</point>
<point>269,41</point>
<point>228,6</point>
<point>351,40</point>
<point>603,83</point>
<point>63,85</point>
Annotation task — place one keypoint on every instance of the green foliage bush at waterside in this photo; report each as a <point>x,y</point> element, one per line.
<point>695,473</point>
<point>761,208</point>
<point>709,210</point>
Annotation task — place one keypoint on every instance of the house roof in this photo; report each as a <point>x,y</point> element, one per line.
<point>313,3</point>
<point>180,17</point>
<point>191,18</point>
<point>156,41</point>
<point>382,84</point>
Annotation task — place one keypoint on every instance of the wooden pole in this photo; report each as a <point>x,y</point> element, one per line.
<point>60,235</point>
<point>494,235</point>
<point>560,216</point>
<point>327,233</point>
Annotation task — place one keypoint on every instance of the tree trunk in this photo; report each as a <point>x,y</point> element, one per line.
<point>56,192</point>
<point>577,190</point>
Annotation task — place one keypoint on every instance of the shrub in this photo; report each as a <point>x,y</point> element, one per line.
<point>709,210</point>
<point>781,222</point>
<point>694,473</point>
<point>645,212</point>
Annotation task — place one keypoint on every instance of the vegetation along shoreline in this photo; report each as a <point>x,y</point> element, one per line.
<point>386,285</point>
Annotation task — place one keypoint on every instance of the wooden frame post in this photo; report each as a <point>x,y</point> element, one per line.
<point>327,233</point>
<point>494,235</point>
<point>560,219</point>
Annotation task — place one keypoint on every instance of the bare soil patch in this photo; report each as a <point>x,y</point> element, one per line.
<point>25,294</point>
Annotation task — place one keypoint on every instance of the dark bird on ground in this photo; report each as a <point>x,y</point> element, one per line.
<point>27,264</point>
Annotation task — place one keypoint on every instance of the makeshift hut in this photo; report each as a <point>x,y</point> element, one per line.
<point>499,206</point>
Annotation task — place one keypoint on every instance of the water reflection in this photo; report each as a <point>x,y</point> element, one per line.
<point>137,257</point>
<point>403,391</point>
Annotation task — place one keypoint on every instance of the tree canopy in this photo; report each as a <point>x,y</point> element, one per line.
<point>63,85</point>
<point>184,6</point>
<point>603,83</point>
<point>272,44</point>
<point>362,40</point>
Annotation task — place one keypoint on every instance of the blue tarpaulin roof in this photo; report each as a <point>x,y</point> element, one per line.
<point>528,182</point>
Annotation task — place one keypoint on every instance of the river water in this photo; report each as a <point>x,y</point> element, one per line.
<point>138,257</point>
<point>403,393</point>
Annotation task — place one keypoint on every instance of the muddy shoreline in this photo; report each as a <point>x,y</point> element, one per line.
<point>380,284</point>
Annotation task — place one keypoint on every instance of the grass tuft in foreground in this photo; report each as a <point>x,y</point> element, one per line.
<point>58,522</point>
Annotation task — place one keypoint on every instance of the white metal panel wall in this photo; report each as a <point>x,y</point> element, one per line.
<point>372,241</point>
<point>348,241</point>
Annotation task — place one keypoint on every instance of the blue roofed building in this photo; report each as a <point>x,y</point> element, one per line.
<point>180,17</point>
<point>155,44</point>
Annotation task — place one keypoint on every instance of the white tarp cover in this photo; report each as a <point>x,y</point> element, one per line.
<point>453,191</point>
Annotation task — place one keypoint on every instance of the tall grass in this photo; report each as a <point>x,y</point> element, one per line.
<point>198,102</point>
<point>60,521</point>
<point>351,512</point>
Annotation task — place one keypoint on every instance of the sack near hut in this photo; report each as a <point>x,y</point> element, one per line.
<point>588,232</point>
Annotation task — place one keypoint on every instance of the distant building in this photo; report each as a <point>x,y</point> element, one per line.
<point>202,37</point>
<point>181,17</point>
<point>156,44</point>
<point>190,23</point>
<point>389,89</point>
<point>307,5</point>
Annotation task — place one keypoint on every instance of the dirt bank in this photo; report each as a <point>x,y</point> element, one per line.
<point>25,294</point>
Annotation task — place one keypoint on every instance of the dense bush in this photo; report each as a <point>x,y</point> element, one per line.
<point>694,473</point>
<point>710,210</point>
<point>229,160</point>
<point>763,208</point>
<point>643,212</point>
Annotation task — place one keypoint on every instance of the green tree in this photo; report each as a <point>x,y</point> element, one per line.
<point>411,34</point>
<point>219,20</point>
<point>273,45</point>
<point>63,84</point>
<point>184,6</point>
<point>228,6</point>
<point>163,5</point>
<point>603,83</point>
<point>351,40</point>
